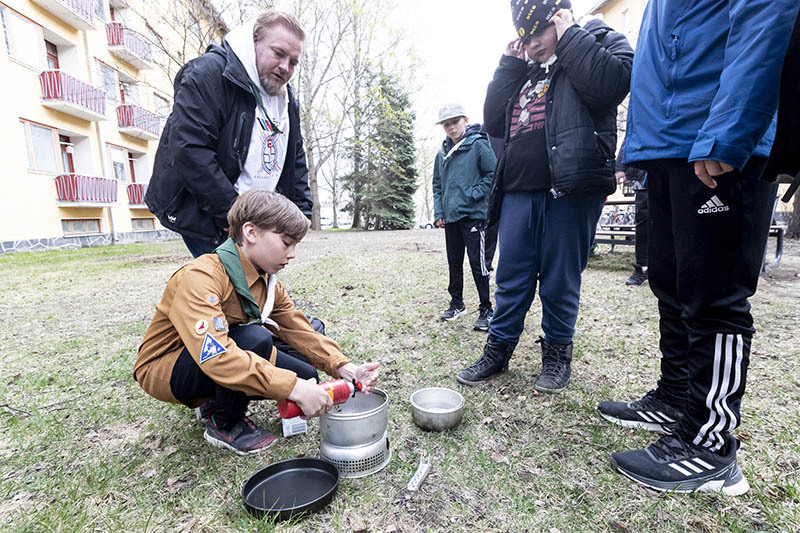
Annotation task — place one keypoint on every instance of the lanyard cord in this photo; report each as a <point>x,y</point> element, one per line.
<point>260,102</point>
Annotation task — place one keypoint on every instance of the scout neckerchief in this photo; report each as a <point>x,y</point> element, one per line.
<point>229,257</point>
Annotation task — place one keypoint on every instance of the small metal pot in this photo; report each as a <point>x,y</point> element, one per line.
<point>437,409</point>
<point>359,421</point>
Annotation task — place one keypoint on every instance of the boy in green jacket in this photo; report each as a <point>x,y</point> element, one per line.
<point>462,175</point>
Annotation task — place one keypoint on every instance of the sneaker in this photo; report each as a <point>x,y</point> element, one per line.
<point>494,361</point>
<point>244,438</point>
<point>648,413</point>
<point>453,312</point>
<point>482,324</point>
<point>671,464</point>
<point>556,366</point>
<point>638,277</point>
<point>201,413</point>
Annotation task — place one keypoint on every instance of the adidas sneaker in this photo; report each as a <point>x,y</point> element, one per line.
<point>648,413</point>
<point>671,464</point>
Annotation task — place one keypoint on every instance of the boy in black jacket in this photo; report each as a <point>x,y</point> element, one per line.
<point>557,114</point>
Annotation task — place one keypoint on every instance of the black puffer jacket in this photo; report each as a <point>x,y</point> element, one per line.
<point>590,79</point>
<point>204,147</point>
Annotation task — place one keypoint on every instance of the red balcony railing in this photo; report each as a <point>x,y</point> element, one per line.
<point>136,192</point>
<point>85,189</point>
<point>58,86</point>
<point>77,13</point>
<point>119,35</point>
<point>138,122</point>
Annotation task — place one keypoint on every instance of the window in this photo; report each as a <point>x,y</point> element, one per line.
<point>23,39</point>
<point>80,226</point>
<point>119,162</point>
<point>67,149</point>
<point>100,9</point>
<point>52,55</point>
<point>143,224</point>
<point>109,77</point>
<point>41,143</point>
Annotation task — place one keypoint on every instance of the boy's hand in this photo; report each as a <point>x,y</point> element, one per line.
<point>311,399</point>
<point>706,169</point>
<point>563,19</point>
<point>366,374</point>
<point>514,49</point>
<point>439,223</point>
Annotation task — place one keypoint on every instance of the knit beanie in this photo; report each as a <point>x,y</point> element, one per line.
<point>530,15</point>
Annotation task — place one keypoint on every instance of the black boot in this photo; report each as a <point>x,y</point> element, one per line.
<point>638,277</point>
<point>556,361</point>
<point>494,360</point>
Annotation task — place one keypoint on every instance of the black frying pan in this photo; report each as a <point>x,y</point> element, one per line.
<point>291,488</point>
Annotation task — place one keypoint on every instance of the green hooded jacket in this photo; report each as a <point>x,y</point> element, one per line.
<point>462,177</point>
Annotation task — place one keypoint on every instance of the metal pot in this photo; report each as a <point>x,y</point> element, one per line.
<point>360,421</point>
<point>437,408</point>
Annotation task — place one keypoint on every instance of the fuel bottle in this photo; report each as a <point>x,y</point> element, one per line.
<point>339,390</point>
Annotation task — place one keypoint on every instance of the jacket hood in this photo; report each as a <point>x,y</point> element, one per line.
<point>597,28</point>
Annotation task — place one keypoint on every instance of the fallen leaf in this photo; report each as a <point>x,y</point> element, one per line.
<point>743,435</point>
<point>150,473</point>
<point>487,420</point>
<point>504,415</point>
<point>497,458</point>
<point>502,447</point>
<point>561,453</point>
<point>515,453</point>
<point>618,527</point>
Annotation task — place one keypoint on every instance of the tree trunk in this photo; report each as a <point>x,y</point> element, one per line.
<point>313,185</point>
<point>794,222</point>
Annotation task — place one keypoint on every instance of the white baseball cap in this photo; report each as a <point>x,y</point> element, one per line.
<point>449,111</point>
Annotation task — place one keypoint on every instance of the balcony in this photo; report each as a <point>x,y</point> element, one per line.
<point>77,13</point>
<point>75,190</point>
<point>136,192</point>
<point>69,95</point>
<point>138,122</point>
<point>128,46</point>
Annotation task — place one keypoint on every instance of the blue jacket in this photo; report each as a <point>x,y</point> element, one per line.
<point>705,79</point>
<point>462,175</point>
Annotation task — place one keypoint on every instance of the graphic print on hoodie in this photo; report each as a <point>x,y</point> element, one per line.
<point>267,153</point>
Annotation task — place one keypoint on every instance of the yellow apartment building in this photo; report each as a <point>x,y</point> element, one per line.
<point>88,85</point>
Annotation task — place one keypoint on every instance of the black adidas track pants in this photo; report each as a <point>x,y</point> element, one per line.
<point>470,234</point>
<point>705,252</point>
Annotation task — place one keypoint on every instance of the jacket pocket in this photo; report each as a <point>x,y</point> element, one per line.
<point>238,142</point>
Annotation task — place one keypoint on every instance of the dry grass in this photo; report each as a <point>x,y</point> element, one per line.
<point>82,448</point>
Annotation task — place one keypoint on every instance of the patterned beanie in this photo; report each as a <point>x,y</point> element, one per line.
<point>530,15</point>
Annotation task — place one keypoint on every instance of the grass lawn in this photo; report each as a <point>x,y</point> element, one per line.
<point>83,448</point>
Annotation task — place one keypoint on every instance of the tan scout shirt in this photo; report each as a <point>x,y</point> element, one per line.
<point>197,294</point>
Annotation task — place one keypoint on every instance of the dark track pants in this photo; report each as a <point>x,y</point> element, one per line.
<point>470,234</point>
<point>542,240</point>
<point>705,253</point>
<point>189,383</point>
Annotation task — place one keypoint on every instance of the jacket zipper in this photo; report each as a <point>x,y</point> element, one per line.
<point>237,139</point>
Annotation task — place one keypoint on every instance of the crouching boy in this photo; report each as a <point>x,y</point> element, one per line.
<point>210,343</point>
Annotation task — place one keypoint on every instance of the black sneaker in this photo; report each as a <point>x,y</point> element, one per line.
<point>648,413</point>
<point>671,464</point>
<point>556,366</point>
<point>244,438</point>
<point>453,312</point>
<point>495,358</point>
<point>482,324</point>
<point>638,277</point>
<point>201,413</point>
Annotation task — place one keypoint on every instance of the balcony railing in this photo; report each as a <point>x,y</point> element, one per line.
<point>128,46</point>
<point>74,188</point>
<point>77,13</point>
<point>138,122</point>
<point>70,95</point>
<point>136,192</point>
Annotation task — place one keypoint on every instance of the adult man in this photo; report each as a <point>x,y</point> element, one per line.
<point>557,115</point>
<point>235,125</point>
<point>701,121</point>
<point>462,174</point>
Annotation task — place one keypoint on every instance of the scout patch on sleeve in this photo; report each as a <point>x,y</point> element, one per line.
<point>211,348</point>
<point>220,324</point>
<point>201,326</point>
<point>212,299</point>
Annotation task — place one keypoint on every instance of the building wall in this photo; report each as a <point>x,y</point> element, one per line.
<point>30,210</point>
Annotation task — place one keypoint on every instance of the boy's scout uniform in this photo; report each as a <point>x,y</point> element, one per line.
<point>198,307</point>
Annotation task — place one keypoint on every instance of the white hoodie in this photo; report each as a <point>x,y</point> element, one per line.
<point>267,153</point>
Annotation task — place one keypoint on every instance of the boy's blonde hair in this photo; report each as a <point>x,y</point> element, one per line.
<point>269,211</point>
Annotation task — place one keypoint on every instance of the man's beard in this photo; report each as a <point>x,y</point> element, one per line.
<point>270,87</point>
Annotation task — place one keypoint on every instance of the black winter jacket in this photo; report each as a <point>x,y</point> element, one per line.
<point>590,79</point>
<point>204,147</point>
